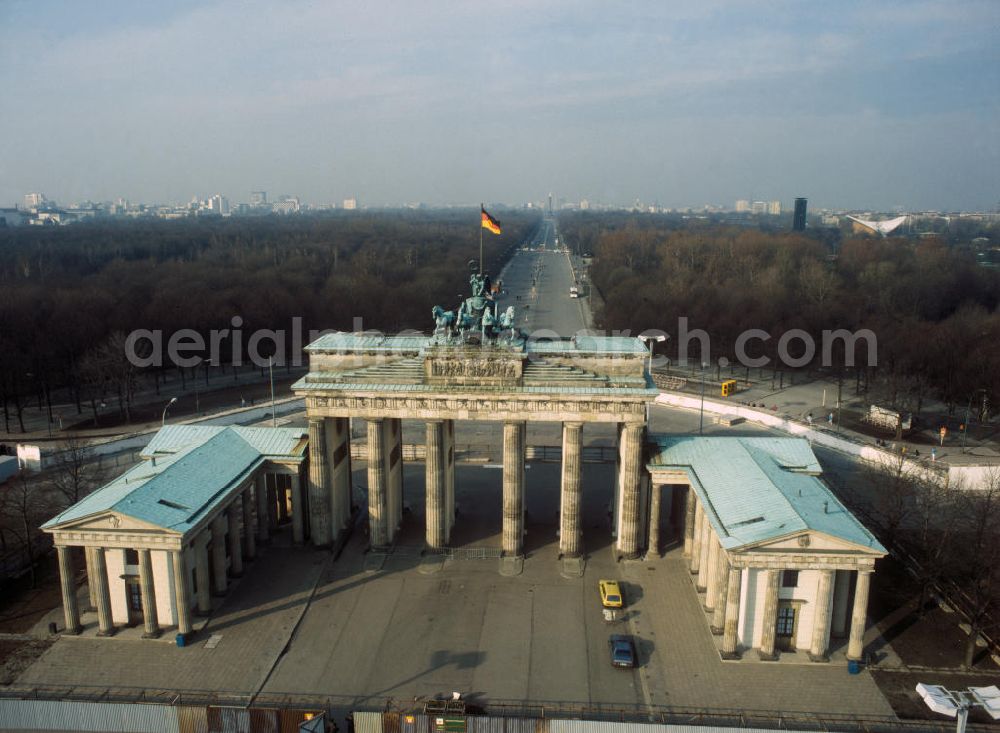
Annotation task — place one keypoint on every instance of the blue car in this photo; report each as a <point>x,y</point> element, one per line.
<point>622,651</point>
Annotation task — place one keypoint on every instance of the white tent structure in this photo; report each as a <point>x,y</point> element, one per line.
<point>881,227</point>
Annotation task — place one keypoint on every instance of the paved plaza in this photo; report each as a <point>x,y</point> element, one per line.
<point>301,622</point>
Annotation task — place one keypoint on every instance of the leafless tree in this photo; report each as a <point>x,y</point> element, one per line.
<point>73,472</point>
<point>894,490</point>
<point>24,504</point>
<point>977,571</point>
<point>931,537</point>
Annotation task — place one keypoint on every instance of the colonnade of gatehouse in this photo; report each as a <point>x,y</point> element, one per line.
<point>137,577</point>
<point>330,483</point>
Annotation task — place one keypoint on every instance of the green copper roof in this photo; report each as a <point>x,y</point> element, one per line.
<point>759,489</point>
<point>368,341</point>
<point>195,469</point>
<point>310,383</point>
<point>590,345</point>
<point>270,442</point>
<point>416,343</point>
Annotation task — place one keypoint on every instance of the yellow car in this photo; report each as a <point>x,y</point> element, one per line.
<point>611,594</point>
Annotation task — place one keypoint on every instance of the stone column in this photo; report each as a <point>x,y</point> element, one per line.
<point>338,456</point>
<point>104,621</point>
<point>569,520</point>
<point>319,500</point>
<point>219,554</point>
<point>616,494</point>
<point>249,531</point>
<point>704,545</point>
<point>181,592</point>
<point>821,617</point>
<point>235,542</point>
<point>435,507</point>
<point>71,610</point>
<point>394,475</point>
<point>856,643</point>
<point>718,623</point>
<point>696,538</point>
<point>653,545</point>
<point>770,616</point>
<point>714,577</point>
<point>91,588</point>
<point>513,488</point>
<point>273,494</point>
<point>263,507</point>
<point>148,590</point>
<point>201,573</point>
<point>298,511</point>
<point>378,536</point>
<point>449,477</point>
<point>631,468</point>
<point>689,523</point>
<point>730,632</point>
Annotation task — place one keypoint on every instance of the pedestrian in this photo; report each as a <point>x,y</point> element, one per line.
<point>829,419</point>
<point>809,419</point>
<point>933,455</point>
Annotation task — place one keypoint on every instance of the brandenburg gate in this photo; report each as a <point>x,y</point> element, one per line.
<point>476,366</point>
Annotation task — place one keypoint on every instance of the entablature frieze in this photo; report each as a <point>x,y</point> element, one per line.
<point>117,540</point>
<point>801,561</point>
<point>538,409</point>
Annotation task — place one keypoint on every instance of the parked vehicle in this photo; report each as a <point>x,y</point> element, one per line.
<point>611,594</point>
<point>622,651</point>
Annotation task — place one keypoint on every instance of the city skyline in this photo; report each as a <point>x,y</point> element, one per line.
<point>878,108</point>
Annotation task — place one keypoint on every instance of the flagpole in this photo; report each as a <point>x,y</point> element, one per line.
<point>482,208</point>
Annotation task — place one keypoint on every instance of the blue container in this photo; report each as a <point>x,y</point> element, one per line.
<point>181,641</point>
<point>853,666</point>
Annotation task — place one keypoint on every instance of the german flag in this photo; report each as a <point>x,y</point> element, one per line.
<point>489,222</point>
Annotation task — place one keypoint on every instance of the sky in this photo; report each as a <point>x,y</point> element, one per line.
<point>860,105</point>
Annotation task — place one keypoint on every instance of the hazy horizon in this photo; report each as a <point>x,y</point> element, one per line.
<point>882,106</point>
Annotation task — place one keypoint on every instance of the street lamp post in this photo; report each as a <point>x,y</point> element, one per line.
<point>163,419</point>
<point>701,412</point>
<point>652,340</point>
<point>957,703</point>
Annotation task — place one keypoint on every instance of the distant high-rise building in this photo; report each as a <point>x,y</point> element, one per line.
<point>34,200</point>
<point>258,198</point>
<point>742,206</point>
<point>799,217</point>
<point>287,205</point>
<point>584,205</point>
<point>774,208</point>
<point>219,204</point>
<point>758,207</point>
<point>350,204</point>
<point>550,203</point>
